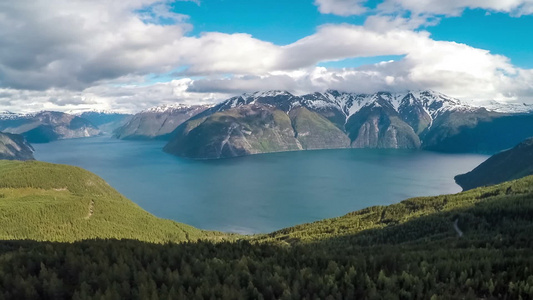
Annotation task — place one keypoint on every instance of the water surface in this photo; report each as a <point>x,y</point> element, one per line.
<point>260,193</point>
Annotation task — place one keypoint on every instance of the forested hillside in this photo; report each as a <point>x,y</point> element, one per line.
<point>48,202</point>
<point>473,245</point>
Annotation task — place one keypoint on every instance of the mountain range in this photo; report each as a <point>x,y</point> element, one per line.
<point>47,126</point>
<point>275,121</point>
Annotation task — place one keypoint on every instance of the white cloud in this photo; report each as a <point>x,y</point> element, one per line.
<point>456,7</point>
<point>61,54</point>
<point>123,98</point>
<point>72,44</point>
<point>449,67</point>
<point>434,7</point>
<point>341,7</point>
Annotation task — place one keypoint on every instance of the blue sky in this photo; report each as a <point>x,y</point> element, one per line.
<point>131,55</point>
<point>283,24</point>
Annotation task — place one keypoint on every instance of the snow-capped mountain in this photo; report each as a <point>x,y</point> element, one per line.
<point>7,115</point>
<point>280,121</point>
<point>46,126</point>
<point>168,108</point>
<point>433,103</point>
<point>504,107</point>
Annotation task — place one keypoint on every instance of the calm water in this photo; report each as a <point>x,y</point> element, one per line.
<point>260,193</point>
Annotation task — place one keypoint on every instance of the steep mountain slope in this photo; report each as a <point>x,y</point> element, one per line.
<point>504,166</point>
<point>15,147</point>
<point>313,131</point>
<point>47,126</point>
<point>157,122</point>
<point>106,121</point>
<point>412,120</point>
<point>255,123</point>
<point>42,201</point>
<point>378,125</point>
<point>472,245</point>
<point>239,131</point>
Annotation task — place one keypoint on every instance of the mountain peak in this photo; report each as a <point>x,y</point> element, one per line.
<point>270,93</point>
<point>171,107</point>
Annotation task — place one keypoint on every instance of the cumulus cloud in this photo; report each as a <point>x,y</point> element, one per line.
<point>123,98</point>
<point>65,55</point>
<point>449,67</point>
<point>72,44</point>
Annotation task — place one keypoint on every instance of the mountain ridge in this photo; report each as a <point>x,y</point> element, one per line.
<point>507,165</point>
<point>410,120</point>
<point>47,126</point>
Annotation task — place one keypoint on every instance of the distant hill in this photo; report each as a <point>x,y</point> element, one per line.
<point>106,121</point>
<point>15,147</point>
<point>47,126</point>
<point>274,121</point>
<point>507,165</point>
<point>48,202</point>
<point>157,122</point>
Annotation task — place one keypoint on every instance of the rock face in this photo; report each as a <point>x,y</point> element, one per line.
<point>48,126</point>
<point>412,120</point>
<point>157,122</point>
<point>15,147</point>
<point>508,165</point>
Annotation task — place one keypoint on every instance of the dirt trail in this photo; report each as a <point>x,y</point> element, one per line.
<point>91,210</point>
<point>456,227</point>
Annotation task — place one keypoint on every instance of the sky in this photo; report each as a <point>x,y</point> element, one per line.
<point>129,55</point>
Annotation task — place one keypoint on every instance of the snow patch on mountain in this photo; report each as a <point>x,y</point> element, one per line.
<point>501,107</point>
<point>167,108</point>
<point>8,115</point>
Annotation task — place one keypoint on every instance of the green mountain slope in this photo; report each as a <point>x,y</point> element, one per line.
<point>42,201</point>
<point>314,131</point>
<point>484,211</point>
<point>409,250</point>
<point>239,131</point>
<point>507,165</point>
